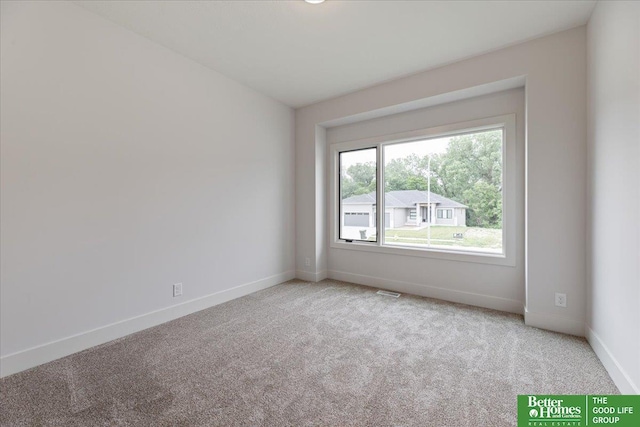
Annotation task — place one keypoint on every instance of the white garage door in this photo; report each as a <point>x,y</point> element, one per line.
<point>356,219</point>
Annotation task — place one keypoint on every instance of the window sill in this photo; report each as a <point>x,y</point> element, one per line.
<point>435,253</point>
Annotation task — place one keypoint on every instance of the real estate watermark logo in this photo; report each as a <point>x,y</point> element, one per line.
<point>555,410</point>
<point>578,411</point>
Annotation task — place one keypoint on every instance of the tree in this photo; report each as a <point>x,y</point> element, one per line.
<point>410,173</point>
<point>485,205</point>
<point>359,178</point>
<point>470,172</point>
<point>364,174</point>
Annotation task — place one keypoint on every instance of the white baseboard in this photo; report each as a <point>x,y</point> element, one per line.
<point>616,372</point>
<point>553,322</point>
<point>309,276</point>
<point>29,358</point>
<point>469,298</point>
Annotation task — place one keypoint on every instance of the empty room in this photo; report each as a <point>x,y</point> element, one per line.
<point>320,213</point>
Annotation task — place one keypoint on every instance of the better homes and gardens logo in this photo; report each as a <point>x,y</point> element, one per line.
<point>578,411</point>
<point>555,410</point>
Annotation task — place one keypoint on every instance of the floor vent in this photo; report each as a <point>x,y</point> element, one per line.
<point>388,294</point>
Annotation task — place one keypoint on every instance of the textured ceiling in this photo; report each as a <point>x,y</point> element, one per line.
<point>300,53</point>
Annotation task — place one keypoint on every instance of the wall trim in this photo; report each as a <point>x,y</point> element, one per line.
<point>469,298</point>
<point>553,322</point>
<point>615,370</point>
<point>309,276</point>
<point>32,357</point>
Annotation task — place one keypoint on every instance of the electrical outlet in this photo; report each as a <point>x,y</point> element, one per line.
<point>307,262</point>
<point>177,289</point>
<point>561,300</point>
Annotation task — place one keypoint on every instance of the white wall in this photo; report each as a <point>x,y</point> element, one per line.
<point>555,72</point>
<point>127,168</point>
<point>614,187</point>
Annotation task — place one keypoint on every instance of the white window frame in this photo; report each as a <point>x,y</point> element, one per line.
<point>507,257</point>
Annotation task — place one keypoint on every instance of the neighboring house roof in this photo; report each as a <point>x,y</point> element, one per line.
<point>361,199</point>
<point>403,199</point>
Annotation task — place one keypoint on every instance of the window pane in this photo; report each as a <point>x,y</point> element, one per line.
<point>358,195</point>
<point>454,183</point>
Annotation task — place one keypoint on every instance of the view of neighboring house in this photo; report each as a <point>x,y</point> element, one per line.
<point>411,208</point>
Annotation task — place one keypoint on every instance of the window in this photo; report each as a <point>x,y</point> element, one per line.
<point>445,214</point>
<point>448,213</point>
<point>462,171</point>
<point>358,192</point>
<point>444,189</point>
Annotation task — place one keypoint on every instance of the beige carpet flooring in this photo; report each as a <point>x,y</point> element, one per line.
<point>302,354</point>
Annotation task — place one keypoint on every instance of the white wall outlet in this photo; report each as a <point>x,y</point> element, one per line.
<point>177,289</point>
<point>307,262</point>
<point>561,300</point>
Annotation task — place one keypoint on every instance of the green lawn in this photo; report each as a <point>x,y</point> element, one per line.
<point>473,237</point>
